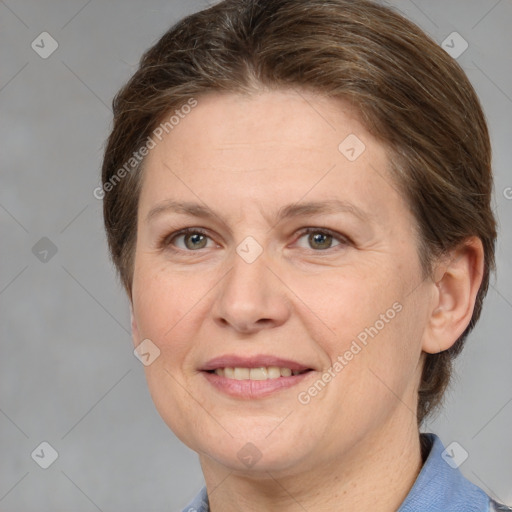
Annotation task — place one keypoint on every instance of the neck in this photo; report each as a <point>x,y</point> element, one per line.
<point>376,474</point>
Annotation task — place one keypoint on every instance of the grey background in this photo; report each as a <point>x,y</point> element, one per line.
<point>67,372</point>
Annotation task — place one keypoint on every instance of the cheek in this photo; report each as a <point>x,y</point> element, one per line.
<point>370,322</point>
<point>163,310</point>
<point>159,304</point>
<point>386,370</point>
<point>349,301</point>
<point>170,308</point>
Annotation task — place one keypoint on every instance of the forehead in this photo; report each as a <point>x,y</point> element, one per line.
<point>284,122</point>
<point>267,150</point>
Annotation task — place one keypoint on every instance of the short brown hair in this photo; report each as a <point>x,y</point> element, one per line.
<point>411,95</point>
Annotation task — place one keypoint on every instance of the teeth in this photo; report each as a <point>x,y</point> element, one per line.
<point>258,374</point>
<point>273,372</point>
<point>261,373</point>
<point>241,373</point>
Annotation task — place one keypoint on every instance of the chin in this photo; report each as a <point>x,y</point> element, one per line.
<point>248,458</point>
<point>251,446</point>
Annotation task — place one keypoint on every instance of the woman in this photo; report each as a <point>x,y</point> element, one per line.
<point>297,200</point>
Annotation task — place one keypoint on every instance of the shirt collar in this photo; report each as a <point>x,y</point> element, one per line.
<point>440,486</point>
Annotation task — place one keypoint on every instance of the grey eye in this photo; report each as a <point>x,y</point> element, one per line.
<point>320,240</point>
<point>194,240</point>
<point>191,241</point>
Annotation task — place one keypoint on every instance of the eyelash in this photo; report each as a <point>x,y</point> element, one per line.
<point>166,241</point>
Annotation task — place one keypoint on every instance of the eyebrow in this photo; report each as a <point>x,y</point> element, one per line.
<point>292,210</point>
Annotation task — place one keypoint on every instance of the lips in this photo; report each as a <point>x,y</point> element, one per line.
<point>253,377</point>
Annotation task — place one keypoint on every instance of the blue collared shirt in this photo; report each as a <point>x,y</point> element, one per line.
<point>438,488</point>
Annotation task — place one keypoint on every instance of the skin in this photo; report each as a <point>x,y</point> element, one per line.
<point>355,445</point>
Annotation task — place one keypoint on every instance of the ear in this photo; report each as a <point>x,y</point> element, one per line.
<point>135,328</point>
<point>456,282</point>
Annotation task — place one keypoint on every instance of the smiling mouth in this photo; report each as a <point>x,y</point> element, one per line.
<point>260,373</point>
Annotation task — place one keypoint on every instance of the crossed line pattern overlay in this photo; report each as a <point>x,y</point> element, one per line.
<point>74,411</point>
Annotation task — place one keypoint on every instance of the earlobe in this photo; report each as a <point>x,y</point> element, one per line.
<point>456,282</point>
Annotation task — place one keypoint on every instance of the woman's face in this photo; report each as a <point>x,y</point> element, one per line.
<point>247,287</point>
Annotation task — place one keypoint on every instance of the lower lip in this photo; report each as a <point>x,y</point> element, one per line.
<point>250,389</point>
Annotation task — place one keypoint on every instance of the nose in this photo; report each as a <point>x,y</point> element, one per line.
<point>251,297</point>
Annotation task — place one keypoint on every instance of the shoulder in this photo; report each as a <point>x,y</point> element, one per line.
<point>441,486</point>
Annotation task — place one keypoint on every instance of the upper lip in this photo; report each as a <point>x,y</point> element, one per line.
<point>236,361</point>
